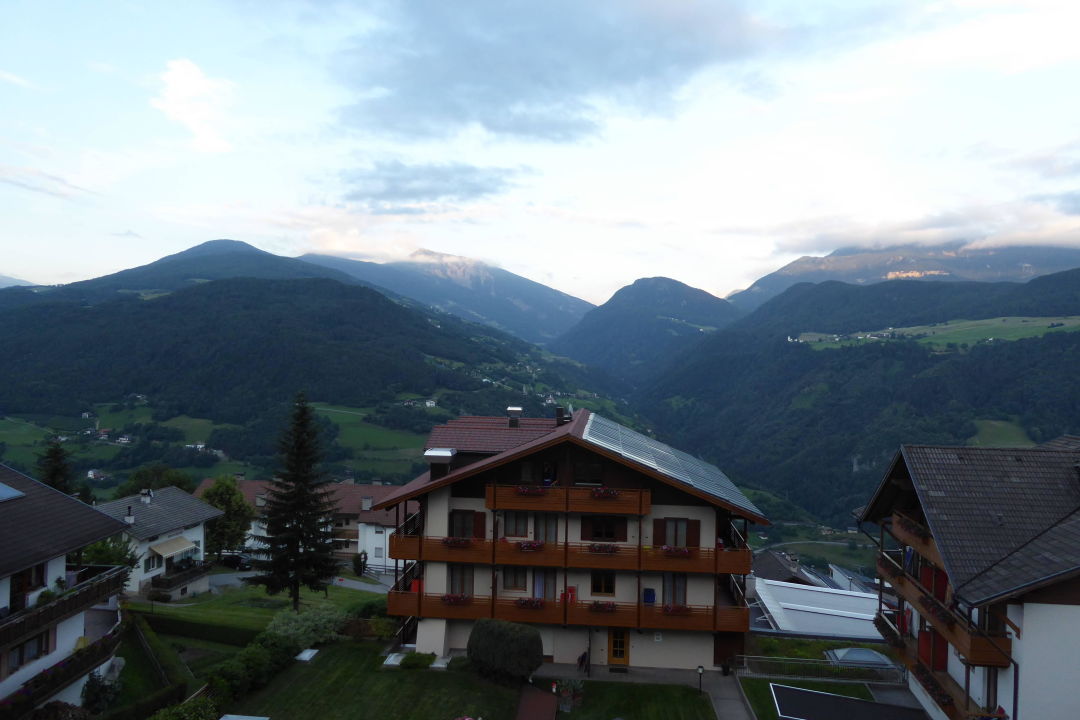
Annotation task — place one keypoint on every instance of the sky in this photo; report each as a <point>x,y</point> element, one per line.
<point>580,144</point>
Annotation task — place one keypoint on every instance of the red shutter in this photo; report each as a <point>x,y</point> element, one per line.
<point>941,584</point>
<point>620,529</point>
<point>586,527</point>
<point>659,531</point>
<point>479,524</point>
<point>693,533</point>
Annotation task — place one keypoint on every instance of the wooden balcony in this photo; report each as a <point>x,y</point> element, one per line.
<point>683,560</point>
<point>600,613</point>
<point>910,532</point>
<point>687,617</point>
<point>625,501</point>
<point>99,584</point>
<point>590,555</point>
<point>176,578</point>
<point>955,628</point>
<point>734,561</point>
<point>525,497</point>
<point>404,547</point>
<point>513,552</point>
<point>405,604</point>
<point>467,608</point>
<point>731,619</point>
<point>462,550</point>
<point>552,612</point>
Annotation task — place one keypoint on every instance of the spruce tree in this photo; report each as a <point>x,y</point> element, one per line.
<point>299,544</point>
<point>53,466</point>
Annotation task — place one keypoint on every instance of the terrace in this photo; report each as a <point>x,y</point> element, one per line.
<point>95,585</point>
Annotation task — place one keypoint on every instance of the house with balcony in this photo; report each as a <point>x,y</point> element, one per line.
<point>611,543</point>
<point>980,577</point>
<point>166,531</point>
<point>59,620</point>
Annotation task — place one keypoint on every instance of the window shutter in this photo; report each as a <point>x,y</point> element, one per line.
<point>450,524</point>
<point>586,527</point>
<point>693,533</point>
<point>620,529</point>
<point>479,524</point>
<point>659,531</point>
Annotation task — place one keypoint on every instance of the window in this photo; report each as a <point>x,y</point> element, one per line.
<point>461,579</point>
<point>514,578</point>
<point>515,524</point>
<point>676,531</point>
<point>152,562</point>
<point>339,523</point>
<point>546,527</point>
<point>544,581</point>
<point>379,531</point>
<point>588,472</point>
<point>675,588</point>
<point>603,582</point>
<point>466,524</point>
<point>604,528</point>
<point>378,551</point>
<point>28,651</point>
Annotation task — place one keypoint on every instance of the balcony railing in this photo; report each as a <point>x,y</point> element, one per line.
<point>609,501</point>
<point>79,597</point>
<point>530,610</point>
<point>913,533</point>
<point>511,552</point>
<point>455,607</point>
<point>678,617</point>
<point>404,547</point>
<point>602,613</point>
<point>177,578</point>
<point>958,630</point>
<point>678,559</point>
<point>603,555</point>
<point>462,550</point>
<point>525,497</point>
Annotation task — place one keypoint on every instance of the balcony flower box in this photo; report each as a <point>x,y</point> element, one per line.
<point>530,603</point>
<point>457,542</point>
<point>603,548</point>
<point>914,528</point>
<point>676,609</point>
<point>675,551</point>
<point>456,599</point>
<point>530,545</point>
<point>531,490</point>
<point>605,493</point>
<point>603,606</point>
<point>937,610</point>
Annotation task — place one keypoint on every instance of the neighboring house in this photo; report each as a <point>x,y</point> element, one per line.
<point>981,559</point>
<point>166,530</point>
<point>777,565</point>
<point>50,609</point>
<point>608,541</point>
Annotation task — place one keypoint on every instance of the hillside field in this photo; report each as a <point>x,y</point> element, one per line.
<point>952,334</point>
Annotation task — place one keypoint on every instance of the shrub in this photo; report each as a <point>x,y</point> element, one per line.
<point>46,597</point>
<point>256,660</point>
<point>313,626</point>
<point>97,694</point>
<point>159,596</point>
<point>150,704</point>
<point>57,710</point>
<point>235,676</point>
<point>280,649</point>
<point>384,627</point>
<point>417,661</point>
<point>198,709</point>
<point>368,608</point>
<point>505,651</point>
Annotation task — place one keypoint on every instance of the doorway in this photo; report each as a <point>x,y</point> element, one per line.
<point>618,646</point>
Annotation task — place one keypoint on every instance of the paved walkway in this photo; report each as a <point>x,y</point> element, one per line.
<point>723,691</point>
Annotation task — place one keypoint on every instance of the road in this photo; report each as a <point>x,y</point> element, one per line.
<point>226,579</point>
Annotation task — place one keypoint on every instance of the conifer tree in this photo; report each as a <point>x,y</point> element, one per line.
<point>53,466</point>
<point>299,544</point>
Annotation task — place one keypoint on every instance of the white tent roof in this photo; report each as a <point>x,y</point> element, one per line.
<point>808,610</point>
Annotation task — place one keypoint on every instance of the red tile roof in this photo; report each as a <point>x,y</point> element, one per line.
<point>487,435</point>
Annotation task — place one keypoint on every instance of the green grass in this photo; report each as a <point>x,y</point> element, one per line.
<point>375,448</point>
<point>118,419</point>
<point>248,607</point>
<point>956,332</point>
<point>138,678</point>
<point>1000,433</point>
<point>761,700</point>
<point>345,681</point>
<point>839,554</point>
<point>787,647</point>
<point>200,655</point>
<point>633,701</point>
<point>23,440</point>
<point>196,430</point>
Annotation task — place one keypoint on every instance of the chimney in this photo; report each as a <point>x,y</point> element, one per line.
<point>514,411</point>
<point>365,502</point>
<point>439,460</point>
<point>146,496</point>
<point>129,518</point>
<point>560,416</point>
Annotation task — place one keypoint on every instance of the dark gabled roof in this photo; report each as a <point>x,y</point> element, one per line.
<point>487,435</point>
<point>1004,519</point>
<point>1065,442</point>
<point>170,509</point>
<point>616,441</point>
<point>42,523</point>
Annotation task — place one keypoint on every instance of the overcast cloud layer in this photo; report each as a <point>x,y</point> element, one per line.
<point>583,145</point>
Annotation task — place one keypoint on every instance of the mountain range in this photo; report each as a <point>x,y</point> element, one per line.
<point>8,281</point>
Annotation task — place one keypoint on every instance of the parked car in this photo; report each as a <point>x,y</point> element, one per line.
<point>237,561</point>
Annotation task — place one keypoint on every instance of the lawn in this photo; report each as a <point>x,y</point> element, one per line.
<point>138,678</point>
<point>247,607</point>
<point>196,430</point>
<point>346,681</point>
<point>1000,433</point>
<point>22,439</point>
<point>761,699</point>
<point>788,647</point>
<point>200,655</point>
<point>633,701</point>
<point>114,420</point>
<point>956,332</point>
<point>375,448</point>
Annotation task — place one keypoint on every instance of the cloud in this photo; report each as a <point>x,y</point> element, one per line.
<point>15,79</point>
<point>532,69</point>
<point>40,182</point>
<point>394,184</point>
<point>195,101</point>
<point>129,234</point>
<point>1060,162</point>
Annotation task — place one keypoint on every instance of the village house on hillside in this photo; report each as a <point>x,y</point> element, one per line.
<point>980,570</point>
<point>611,543</point>
<point>166,531</point>
<point>49,609</point>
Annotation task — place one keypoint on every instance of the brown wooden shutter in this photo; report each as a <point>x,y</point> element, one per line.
<point>586,527</point>
<point>620,529</point>
<point>693,533</point>
<point>450,524</point>
<point>659,531</point>
<point>479,524</point>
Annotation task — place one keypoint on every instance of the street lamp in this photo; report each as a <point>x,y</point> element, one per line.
<point>700,672</point>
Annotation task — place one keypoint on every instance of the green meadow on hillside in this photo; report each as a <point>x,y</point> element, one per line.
<point>951,334</point>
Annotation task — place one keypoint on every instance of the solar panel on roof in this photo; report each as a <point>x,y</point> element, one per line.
<point>9,493</point>
<point>674,463</point>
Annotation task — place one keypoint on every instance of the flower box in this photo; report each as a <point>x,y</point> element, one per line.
<point>605,493</point>
<point>914,528</point>
<point>530,603</point>
<point>603,548</point>
<point>457,542</point>
<point>675,551</point>
<point>937,610</point>
<point>531,490</point>
<point>456,599</point>
<point>676,609</point>
<point>603,606</point>
<point>530,545</point>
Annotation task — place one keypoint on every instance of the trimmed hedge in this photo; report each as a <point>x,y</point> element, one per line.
<point>176,671</point>
<point>505,651</point>
<point>417,661</point>
<point>228,634</point>
<point>198,709</point>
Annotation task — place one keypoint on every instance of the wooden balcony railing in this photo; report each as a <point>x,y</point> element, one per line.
<point>455,607</point>
<point>602,613</point>
<point>404,547</point>
<point>673,559</point>
<point>599,555</point>
<point>549,612</point>
<point>181,577</point>
<point>462,550</point>
<point>968,640</point>
<point>511,552</point>
<point>95,589</point>
<point>910,532</point>
<point>402,603</point>
<point>731,619</point>
<point>678,617</point>
<point>615,501</point>
<point>525,497</point>
<point>734,561</point>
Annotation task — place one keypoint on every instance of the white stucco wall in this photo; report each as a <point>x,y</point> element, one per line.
<point>67,634</point>
<point>142,550</point>
<point>375,540</point>
<point>431,636</point>
<point>665,648</point>
<point>437,517</point>
<point>1049,669</point>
